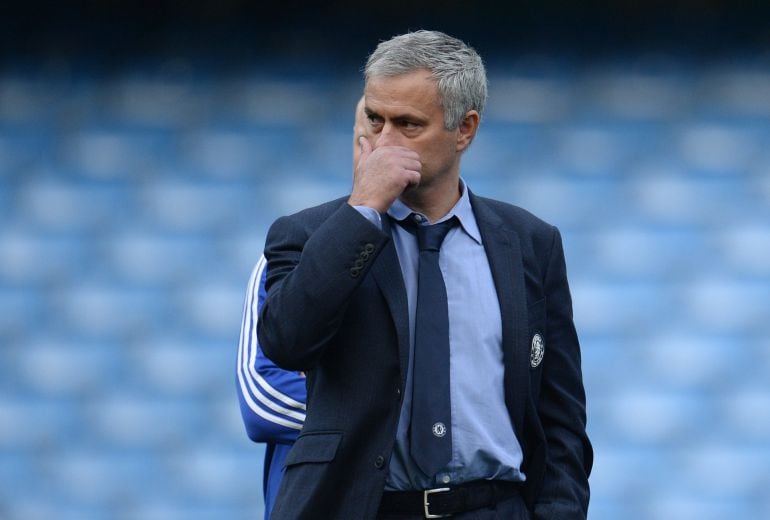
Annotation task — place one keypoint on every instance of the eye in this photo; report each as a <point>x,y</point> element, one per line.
<point>408,124</point>
<point>374,119</point>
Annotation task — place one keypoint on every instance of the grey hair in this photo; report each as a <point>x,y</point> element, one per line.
<point>457,68</point>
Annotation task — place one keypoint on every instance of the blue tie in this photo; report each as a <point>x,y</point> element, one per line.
<point>430,434</point>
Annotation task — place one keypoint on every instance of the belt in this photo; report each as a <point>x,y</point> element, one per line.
<point>444,502</point>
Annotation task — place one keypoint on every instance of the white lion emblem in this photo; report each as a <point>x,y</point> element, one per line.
<point>537,352</point>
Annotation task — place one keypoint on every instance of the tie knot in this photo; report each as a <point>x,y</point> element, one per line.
<point>429,238</point>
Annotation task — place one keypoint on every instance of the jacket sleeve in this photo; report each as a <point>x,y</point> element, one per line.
<point>315,264</point>
<point>272,400</point>
<point>562,407</point>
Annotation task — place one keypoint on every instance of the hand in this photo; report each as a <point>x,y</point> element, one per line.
<point>381,175</point>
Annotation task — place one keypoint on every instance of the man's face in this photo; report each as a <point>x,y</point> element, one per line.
<point>405,110</point>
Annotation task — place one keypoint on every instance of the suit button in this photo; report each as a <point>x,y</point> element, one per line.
<point>359,263</point>
<point>363,256</point>
<point>369,248</point>
<point>354,272</point>
<point>379,462</point>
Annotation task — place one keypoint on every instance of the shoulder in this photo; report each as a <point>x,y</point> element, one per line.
<point>537,238</point>
<point>308,219</point>
<point>514,217</point>
<point>317,213</point>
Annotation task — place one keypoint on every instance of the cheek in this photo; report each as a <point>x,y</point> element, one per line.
<point>442,151</point>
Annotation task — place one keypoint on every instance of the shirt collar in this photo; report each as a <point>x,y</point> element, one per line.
<point>462,210</point>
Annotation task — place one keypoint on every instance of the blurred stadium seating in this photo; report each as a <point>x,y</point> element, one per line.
<point>132,209</point>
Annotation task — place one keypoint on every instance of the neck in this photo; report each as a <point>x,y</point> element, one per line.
<point>433,201</point>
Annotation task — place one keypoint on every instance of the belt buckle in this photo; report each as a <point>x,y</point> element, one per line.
<point>426,504</point>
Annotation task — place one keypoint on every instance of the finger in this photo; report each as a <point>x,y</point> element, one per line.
<point>414,177</point>
<point>401,151</point>
<point>412,164</point>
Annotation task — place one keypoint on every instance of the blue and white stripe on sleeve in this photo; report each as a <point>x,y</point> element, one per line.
<point>272,400</point>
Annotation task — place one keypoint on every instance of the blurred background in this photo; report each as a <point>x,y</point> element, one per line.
<point>145,148</point>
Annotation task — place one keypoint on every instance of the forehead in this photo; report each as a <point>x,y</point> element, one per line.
<point>411,91</point>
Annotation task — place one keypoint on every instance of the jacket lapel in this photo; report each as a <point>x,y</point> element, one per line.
<point>386,271</point>
<point>505,260</point>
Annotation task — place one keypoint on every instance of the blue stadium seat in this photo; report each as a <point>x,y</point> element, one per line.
<point>745,245</point>
<point>727,303</point>
<point>111,151</point>
<point>22,147</point>
<point>146,255</point>
<point>19,307</point>
<point>240,151</point>
<point>34,423</point>
<point>50,366</point>
<point>645,252</point>
<point>184,366</point>
<point>746,409</point>
<point>109,310</point>
<point>103,478</point>
<point>671,194</point>
<point>123,419</point>
<point>27,254</point>
<point>65,204</point>
<point>210,309</point>
<point>214,473</point>
<point>179,204</point>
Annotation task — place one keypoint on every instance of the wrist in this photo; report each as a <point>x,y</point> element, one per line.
<point>357,202</point>
<point>370,214</point>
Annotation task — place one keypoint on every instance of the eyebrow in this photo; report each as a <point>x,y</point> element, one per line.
<point>399,117</point>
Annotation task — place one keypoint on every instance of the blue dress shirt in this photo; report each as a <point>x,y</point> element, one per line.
<point>484,445</point>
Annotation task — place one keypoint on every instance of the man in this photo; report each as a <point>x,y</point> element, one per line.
<point>443,377</point>
<point>272,400</point>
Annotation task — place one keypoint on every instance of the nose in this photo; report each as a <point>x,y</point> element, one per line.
<point>388,136</point>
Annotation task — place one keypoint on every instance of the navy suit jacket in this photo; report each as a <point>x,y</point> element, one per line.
<point>336,308</point>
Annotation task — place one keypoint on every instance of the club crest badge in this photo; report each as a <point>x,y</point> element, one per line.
<point>439,430</point>
<point>537,352</point>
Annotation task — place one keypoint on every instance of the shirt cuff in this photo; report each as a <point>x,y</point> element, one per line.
<point>371,215</point>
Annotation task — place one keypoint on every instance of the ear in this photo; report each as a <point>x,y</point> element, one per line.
<point>467,130</point>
